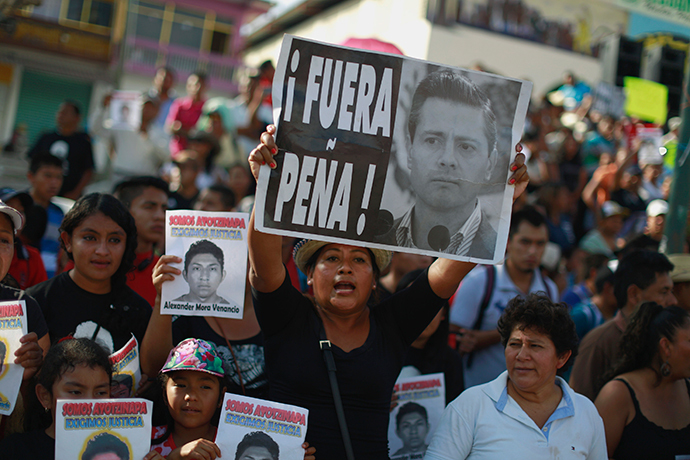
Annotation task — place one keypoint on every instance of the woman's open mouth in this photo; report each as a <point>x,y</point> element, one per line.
<point>344,287</point>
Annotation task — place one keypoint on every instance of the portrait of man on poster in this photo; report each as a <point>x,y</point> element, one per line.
<point>451,155</point>
<point>105,446</point>
<point>204,270</point>
<point>412,427</point>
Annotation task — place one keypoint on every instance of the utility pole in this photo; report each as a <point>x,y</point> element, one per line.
<point>679,198</point>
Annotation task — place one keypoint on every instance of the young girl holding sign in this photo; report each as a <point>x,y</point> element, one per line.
<point>72,369</point>
<point>193,387</point>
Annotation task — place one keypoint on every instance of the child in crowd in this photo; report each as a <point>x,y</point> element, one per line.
<point>92,299</point>
<point>45,177</point>
<point>73,369</point>
<point>193,387</point>
<point>183,189</point>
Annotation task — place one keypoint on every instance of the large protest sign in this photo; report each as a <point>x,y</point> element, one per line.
<point>261,428</point>
<point>91,427</point>
<point>126,372</point>
<point>213,248</point>
<point>362,160</point>
<point>12,328</point>
<point>421,400</point>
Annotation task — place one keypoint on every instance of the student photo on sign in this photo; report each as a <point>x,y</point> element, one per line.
<point>451,142</point>
<point>105,446</point>
<point>257,445</point>
<point>121,386</point>
<point>412,426</point>
<point>204,270</point>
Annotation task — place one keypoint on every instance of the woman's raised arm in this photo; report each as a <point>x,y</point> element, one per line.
<point>266,272</point>
<point>158,340</point>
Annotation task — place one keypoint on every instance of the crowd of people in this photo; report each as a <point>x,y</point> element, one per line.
<point>578,345</point>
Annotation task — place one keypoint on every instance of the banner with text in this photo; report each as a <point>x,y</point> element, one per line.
<point>392,152</point>
<point>12,328</point>
<point>213,248</point>
<point>421,401</point>
<point>88,428</point>
<point>266,427</point>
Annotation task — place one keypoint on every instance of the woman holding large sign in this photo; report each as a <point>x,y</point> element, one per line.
<point>369,344</point>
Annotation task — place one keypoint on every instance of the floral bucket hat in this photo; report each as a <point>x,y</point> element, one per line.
<point>194,355</point>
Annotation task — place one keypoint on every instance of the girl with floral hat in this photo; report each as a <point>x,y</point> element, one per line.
<point>193,388</point>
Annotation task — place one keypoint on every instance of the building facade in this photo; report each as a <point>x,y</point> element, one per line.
<point>80,49</point>
<point>537,40</point>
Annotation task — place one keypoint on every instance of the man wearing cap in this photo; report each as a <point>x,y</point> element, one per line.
<point>37,341</point>
<point>651,163</point>
<point>137,152</point>
<point>27,267</point>
<point>656,219</point>
<point>681,279</point>
<point>603,239</point>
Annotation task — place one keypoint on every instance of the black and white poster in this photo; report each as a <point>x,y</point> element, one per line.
<point>421,401</point>
<point>213,249</point>
<point>391,152</point>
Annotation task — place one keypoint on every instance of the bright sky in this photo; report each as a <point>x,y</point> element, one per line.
<point>286,2</point>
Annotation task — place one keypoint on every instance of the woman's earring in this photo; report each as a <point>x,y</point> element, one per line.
<point>665,369</point>
<point>46,409</point>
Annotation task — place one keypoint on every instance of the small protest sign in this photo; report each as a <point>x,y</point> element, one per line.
<point>250,425</point>
<point>89,427</point>
<point>126,372</point>
<point>650,146</point>
<point>608,99</point>
<point>645,99</point>
<point>421,401</point>
<point>391,152</point>
<point>213,248</point>
<point>125,110</point>
<point>12,328</point>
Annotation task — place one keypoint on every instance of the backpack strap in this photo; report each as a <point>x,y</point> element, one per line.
<point>488,291</point>
<point>548,288</point>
